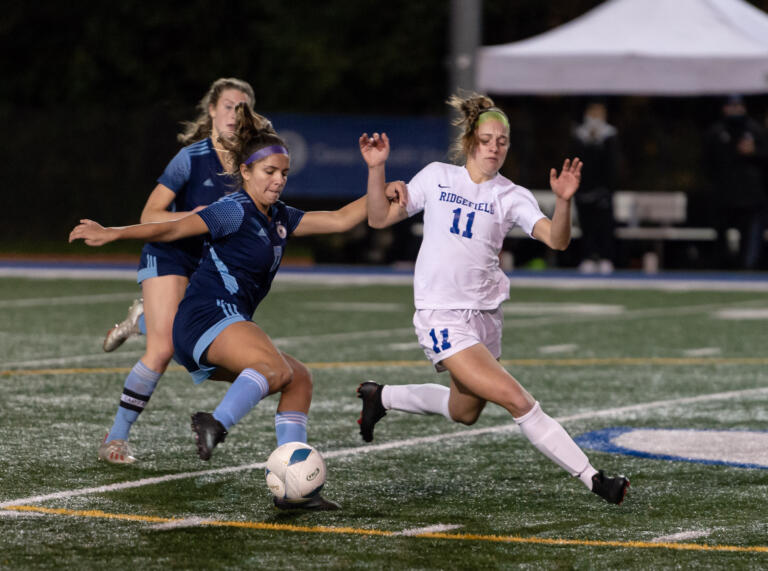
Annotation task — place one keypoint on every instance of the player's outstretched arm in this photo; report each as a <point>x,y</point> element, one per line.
<point>94,234</point>
<point>382,210</point>
<point>156,207</point>
<point>556,233</point>
<point>567,182</point>
<point>349,216</point>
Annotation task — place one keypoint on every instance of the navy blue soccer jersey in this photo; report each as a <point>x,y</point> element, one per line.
<point>244,252</point>
<point>195,175</point>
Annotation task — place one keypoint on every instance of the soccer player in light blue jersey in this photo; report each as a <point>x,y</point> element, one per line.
<point>459,286</point>
<point>192,180</point>
<point>213,334</point>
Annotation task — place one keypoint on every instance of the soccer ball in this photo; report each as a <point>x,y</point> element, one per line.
<point>295,471</point>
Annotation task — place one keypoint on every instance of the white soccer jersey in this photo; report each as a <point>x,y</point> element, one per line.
<point>464,229</point>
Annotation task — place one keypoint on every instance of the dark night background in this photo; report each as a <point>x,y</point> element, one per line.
<point>93,93</point>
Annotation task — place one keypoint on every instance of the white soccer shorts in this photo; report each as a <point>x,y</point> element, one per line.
<point>445,332</point>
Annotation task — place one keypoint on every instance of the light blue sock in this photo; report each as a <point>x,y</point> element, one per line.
<point>290,426</point>
<point>138,387</point>
<point>142,324</point>
<point>245,393</point>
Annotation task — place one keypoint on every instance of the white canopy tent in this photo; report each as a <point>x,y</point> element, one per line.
<point>643,47</point>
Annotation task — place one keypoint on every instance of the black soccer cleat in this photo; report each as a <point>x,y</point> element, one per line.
<point>316,503</point>
<point>612,490</point>
<point>373,409</point>
<point>208,433</point>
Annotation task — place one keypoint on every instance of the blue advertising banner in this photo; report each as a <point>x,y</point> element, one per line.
<point>325,155</point>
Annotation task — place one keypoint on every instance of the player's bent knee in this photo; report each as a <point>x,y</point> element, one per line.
<point>301,374</point>
<point>302,379</point>
<point>278,376</point>
<point>158,358</point>
<point>516,402</point>
<point>468,418</point>
<point>283,377</point>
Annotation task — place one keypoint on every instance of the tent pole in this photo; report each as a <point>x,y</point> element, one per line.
<point>466,23</point>
<point>465,39</point>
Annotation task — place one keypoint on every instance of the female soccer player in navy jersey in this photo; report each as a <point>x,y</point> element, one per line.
<point>192,180</point>
<point>213,334</point>
<point>459,287</point>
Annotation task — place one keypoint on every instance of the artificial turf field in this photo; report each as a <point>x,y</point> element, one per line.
<point>426,494</point>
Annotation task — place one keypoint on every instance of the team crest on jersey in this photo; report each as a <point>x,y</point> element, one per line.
<point>281,230</point>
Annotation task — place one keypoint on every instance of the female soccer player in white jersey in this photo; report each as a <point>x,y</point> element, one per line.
<point>459,287</point>
<point>192,180</point>
<point>213,335</point>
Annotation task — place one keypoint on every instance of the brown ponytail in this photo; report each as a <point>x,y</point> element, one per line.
<point>469,106</point>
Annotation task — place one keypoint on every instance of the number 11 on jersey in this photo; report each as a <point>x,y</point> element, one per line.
<point>456,218</point>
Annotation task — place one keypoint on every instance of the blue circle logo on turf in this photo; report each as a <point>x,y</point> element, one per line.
<point>739,448</point>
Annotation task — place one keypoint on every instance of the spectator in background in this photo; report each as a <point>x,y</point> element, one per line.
<point>596,143</point>
<point>735,156</point>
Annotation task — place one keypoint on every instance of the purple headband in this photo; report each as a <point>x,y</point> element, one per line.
<point>265,152</point>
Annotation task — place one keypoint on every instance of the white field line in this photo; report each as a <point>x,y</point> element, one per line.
<point>372,307</point>
<point>68,273</point>
<point>562,310</point>
<point>408,331</point>
<point>407,346</point>
<point>178,523</point>
<point>379,447</point>
<point>529,309</point>
<point>682,536</point>
<point>68,300</point>
<point>131,484</point>
<point>545,282</point>
<point>438,528</point>
<point>555,349</point>
<point>346,336</point>
<point>663,312</point>
<point>703,352</point>
<point>527,322</point>
<point>741,314</point>
<point>15,514</point>
<point>36,363</point>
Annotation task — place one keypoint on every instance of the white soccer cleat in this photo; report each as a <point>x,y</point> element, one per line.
<point>128,327</point>
<point>117,452</point>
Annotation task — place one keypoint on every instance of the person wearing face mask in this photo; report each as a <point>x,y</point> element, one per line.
<point>597,143</point>
<point>459,287</point>
<point>735,155</point>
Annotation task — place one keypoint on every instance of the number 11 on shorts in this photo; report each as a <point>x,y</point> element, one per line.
<point>444,344</point>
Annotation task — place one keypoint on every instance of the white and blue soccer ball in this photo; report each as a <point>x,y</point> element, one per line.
<point>295,471</point>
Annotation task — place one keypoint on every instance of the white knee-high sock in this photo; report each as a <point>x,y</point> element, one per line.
<point>429,398</point>
<point>546,434</point>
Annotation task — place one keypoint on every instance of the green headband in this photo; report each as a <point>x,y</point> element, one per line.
<point>492,113</point>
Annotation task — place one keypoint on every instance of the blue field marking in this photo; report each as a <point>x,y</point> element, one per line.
<point>720,449</point>
<point>81,264</point>
<point>86,268</point>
